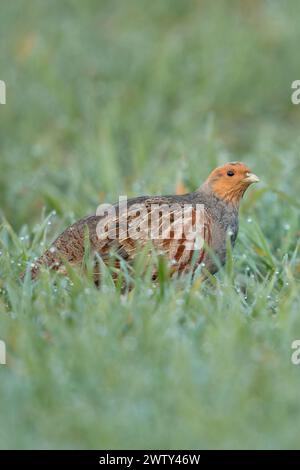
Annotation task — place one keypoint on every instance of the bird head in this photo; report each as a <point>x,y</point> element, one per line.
<point>230,181</point>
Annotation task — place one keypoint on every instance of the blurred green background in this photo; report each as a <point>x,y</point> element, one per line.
<point>137,97</point>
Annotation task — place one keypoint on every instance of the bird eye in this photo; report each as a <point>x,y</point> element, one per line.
<point>230,173</point>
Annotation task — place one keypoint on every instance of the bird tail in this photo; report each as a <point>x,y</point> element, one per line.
<point>47,260</point>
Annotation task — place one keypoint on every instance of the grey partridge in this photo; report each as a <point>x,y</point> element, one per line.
<point>169,223</point>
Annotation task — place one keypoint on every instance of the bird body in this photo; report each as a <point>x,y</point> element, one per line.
<point>219,198</point>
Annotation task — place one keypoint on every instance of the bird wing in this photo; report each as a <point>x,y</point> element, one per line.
<point>179,231</point>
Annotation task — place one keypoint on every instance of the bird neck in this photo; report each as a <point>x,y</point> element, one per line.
<point>230,196</point>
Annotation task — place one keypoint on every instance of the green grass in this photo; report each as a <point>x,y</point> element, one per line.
<point>132,97</point>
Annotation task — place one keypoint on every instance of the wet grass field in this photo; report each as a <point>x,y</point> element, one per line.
<point>136,97</point>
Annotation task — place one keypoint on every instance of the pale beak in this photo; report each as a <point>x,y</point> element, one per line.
<point>251,178</point>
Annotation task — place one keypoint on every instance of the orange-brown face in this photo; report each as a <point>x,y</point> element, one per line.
<point>230,181</point>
